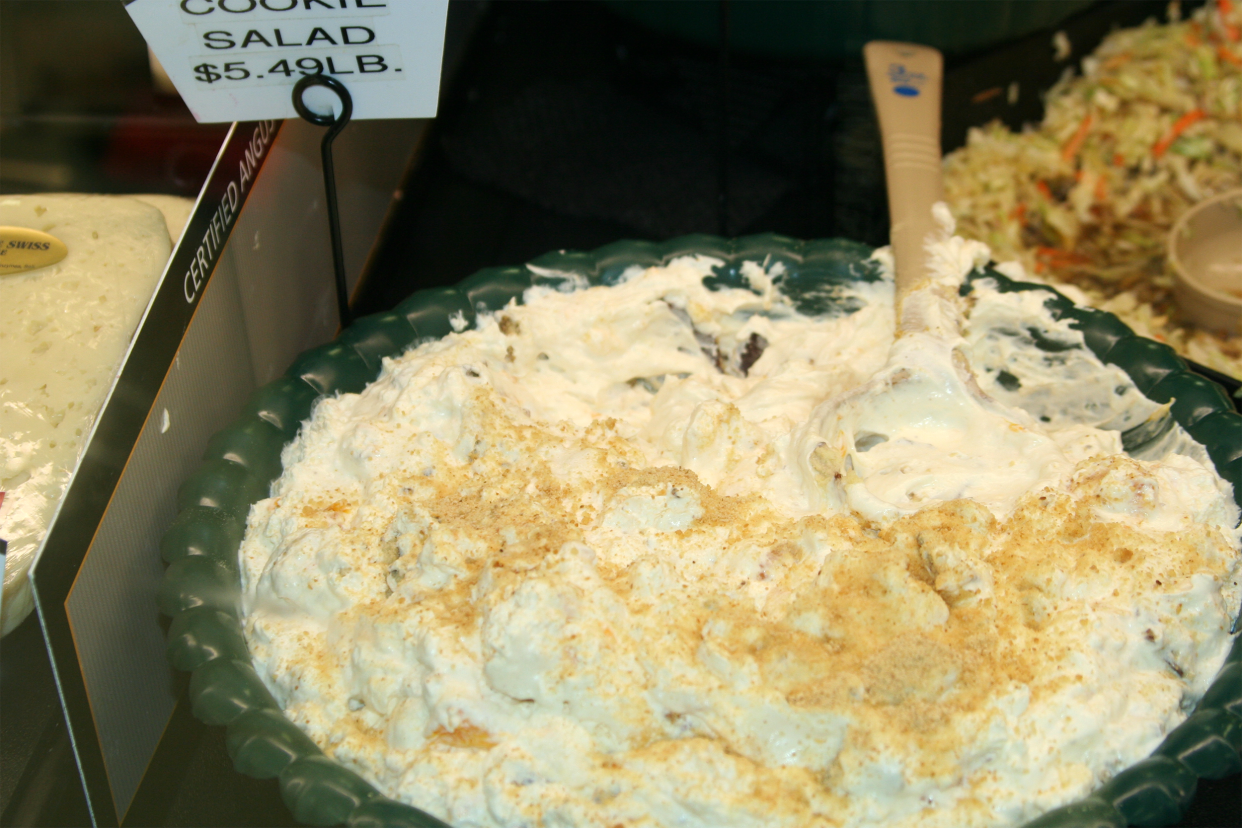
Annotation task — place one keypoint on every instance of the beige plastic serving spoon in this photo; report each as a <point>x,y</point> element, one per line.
<point>905,81</point>
<point>920,431</point>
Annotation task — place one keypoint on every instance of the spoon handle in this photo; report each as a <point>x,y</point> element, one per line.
<point>905,81</point>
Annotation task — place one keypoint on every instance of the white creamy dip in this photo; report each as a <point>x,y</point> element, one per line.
<point>594,563</point>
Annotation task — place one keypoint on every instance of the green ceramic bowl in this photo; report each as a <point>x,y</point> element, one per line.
<point>201,588</point>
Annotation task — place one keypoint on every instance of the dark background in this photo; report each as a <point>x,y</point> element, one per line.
<point>561,126</point>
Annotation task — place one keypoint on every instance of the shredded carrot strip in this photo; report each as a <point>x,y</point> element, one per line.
<point>1232,32</point>
<point>1118,60</point>
<point>1101,188</point>
<point>1056,256</point>
<point>1227,55</point>
<point>1018,212</point>
<point>1074,144</point>
<point>1226,9</point>
<point>1192,39</point>
<point>986,95</point>
<point>1118,160</point>
<point>1044,189</point>
<point>1179,126</point>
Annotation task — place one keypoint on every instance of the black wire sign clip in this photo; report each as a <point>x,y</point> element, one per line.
<point>334,125</point>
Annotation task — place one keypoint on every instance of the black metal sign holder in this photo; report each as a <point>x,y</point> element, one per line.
<point>334,125</point>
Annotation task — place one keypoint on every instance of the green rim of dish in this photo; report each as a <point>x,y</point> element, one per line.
<point>201,589</point>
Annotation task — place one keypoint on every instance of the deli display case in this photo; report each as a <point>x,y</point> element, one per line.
<point>561,127</point>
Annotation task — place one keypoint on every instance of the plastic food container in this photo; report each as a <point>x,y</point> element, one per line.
<point>201,589</point>
<point>1205,250</point>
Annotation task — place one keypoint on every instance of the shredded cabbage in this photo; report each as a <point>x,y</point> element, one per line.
<point>1152,125</point>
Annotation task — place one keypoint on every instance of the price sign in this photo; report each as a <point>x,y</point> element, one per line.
<point>237,60</point>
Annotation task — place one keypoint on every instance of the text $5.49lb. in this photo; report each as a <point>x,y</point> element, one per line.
<point>240,70</point>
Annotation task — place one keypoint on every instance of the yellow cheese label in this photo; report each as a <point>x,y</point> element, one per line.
<point>23,249</point>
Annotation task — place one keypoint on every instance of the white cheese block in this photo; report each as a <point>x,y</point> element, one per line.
<point>64,331</point>
<point>176,210</point>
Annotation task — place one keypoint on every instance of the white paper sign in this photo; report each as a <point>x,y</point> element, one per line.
<point>238,60</point>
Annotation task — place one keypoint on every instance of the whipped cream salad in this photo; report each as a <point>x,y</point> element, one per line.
<point>674,553</point>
